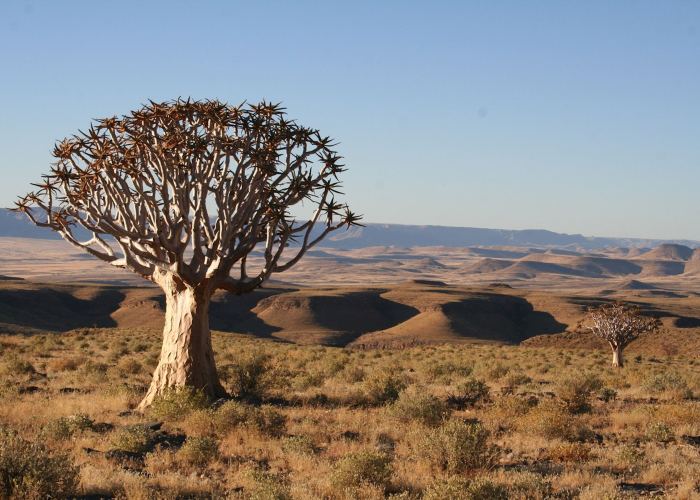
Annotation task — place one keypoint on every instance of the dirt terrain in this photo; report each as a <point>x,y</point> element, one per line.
<point>405,314</point>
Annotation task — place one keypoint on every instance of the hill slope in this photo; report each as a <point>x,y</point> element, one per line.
<point>416,312</point>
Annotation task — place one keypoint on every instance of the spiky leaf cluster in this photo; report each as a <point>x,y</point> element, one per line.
<point>619,323</point>
<point>190,188</point>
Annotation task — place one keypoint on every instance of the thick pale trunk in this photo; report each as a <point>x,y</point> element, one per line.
<point>186,357</point>
<point>617,356</point>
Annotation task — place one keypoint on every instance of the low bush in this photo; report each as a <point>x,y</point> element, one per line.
<point>300,445</point>
<point>133,438</point>
<point>631,456</point>
<point>175,404</point>
<point>569,453</point>
<point>507,409</point>
<point>446,369</point>
<point>417,404</point>
<point>128,366</point>
<point>383,387</point>
<point>660,432</point>
<point>269,486</point>
<point>575,392</point>
<point>549,420</point>
<point>607,394</point>
<point>352,374</point>
<point>250,376</point>
<point>364,467</point>
<point>66,427</point>
<point>93,371</point>
<point>64,364</point>
<point>496,371</point>
<point>513,380</point>
<point>199,450</point>
<point>527,486</point>
<point>468,393</point>
<point>13,365</point>
<point>457,447</point>
<point>233,414</point>
<point>29,470</point>
<point>670,383</point>
<point>460,488</point>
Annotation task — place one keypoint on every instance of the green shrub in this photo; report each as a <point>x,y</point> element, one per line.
<point>269,486</point>
<point>575,392</point>
<point>352,374</point>
<point>516,379</point>
<point>551,421</point>
<point>416,404</point>
<point>659,431</point>
<point>233,414</point>
<point>497,371</point>
<point>93,371</point>
<point>528,486</point>
<point>199,451</point>
<point>459,488</point>
<point>668,382</point>
<point>175,404</point>
<point>631,456</point>
<point>133,438</point>
<point>301,445</point>
<point>66,427</point>
<point>250,377</point>
<point>383,387</point>
<point>457,447</point>
<point>469,393</point>
<point>443,370</point>
<point>128,366</point>
<point>364,467</point>
<point>13,365</point>
<point>607,394</point>
<point>29,470</point>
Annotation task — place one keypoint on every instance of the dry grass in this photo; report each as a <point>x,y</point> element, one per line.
<point>443,421</point>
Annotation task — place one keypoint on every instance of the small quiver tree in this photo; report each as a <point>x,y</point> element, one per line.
<point>619,324</point>
<point>182,193</point>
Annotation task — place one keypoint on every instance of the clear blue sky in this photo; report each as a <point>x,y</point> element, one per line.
<point>570,116</point>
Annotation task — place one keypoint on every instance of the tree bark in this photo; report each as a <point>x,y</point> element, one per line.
<point>186,357</point>
<point>617,356</point>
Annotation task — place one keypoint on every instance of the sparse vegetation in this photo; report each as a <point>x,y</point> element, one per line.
<point>380,423</point>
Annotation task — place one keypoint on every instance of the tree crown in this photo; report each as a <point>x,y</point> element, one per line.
<point>619,323</point>
<point>190,188</point>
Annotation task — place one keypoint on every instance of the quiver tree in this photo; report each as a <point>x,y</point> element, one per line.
<point>181,193</point>
<point>619,324</point>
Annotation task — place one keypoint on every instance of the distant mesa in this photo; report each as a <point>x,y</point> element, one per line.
<point>488,265</point>
<point>637,285</point>
<point>10,278</point>
<point>428,263</point>
<point>669,251</point>
<point>693,264</point>
<point>636,251</point>
<point>396,238</point>
<point>663,267</point>
<point>427,282</point>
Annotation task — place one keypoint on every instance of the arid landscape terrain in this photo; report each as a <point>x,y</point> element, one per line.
<point>470,363</point>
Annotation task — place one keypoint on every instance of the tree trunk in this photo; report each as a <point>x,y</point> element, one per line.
<point>186,357</point>
<point>617,356</point>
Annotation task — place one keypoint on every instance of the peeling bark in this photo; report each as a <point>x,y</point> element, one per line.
<point>617,356</point>
<point>186,357</point>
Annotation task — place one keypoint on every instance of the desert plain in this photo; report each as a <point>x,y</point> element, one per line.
<point>377,372</point>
